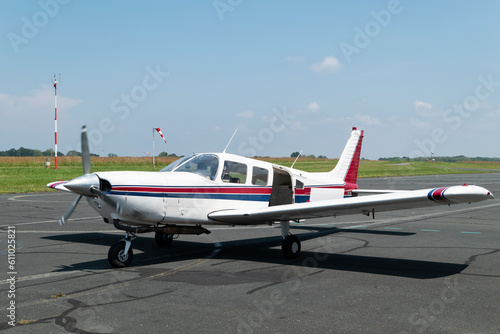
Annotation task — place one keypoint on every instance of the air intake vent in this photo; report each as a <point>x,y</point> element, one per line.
<point>104,185</point>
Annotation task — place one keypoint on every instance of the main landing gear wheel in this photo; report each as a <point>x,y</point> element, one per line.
<point>163,239</point>
<point>117,256</point>
<point>291,246</point>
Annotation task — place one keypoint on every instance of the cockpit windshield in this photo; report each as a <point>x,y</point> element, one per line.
<point>204,164</point>
<point>176,163</point>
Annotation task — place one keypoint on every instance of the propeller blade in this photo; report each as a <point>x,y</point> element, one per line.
<point>69,211</point>
<point>85,151</point>
<point>107,199</point>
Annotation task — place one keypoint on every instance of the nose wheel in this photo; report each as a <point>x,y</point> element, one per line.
<point>120,254</point>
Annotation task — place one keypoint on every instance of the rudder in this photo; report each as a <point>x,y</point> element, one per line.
<point>348,164</point>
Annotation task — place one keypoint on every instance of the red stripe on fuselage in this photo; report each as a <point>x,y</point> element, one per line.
<point>212,190</point>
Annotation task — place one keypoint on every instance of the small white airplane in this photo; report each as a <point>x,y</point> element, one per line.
<point>227,189</point>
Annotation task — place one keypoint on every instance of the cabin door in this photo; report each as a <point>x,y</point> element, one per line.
<point>282,191</point>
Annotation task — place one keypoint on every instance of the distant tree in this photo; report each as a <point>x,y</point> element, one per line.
<point>48,153</point>
<point>112,155</point>
<point>322,157</point>
<point>163,154</point>
<point>74,153</point>
<point>173,155</point>
<point>24,152</point>
<point>294,154</point>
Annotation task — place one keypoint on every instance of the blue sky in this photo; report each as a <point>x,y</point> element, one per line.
<point>417,76</point>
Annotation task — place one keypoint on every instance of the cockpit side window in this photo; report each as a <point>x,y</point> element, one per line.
<point>259,176</point>
<point>205,165</point>
<point>234,172</point>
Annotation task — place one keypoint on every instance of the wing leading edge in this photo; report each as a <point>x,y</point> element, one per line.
<point>364,204</point>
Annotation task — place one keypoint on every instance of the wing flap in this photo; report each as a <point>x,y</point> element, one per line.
<point>352,205</point>
<point>377,191</point>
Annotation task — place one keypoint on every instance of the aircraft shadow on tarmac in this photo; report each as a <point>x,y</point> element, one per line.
<point>265,250</point>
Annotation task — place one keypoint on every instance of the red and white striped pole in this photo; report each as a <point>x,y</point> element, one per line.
<point>55,120</point>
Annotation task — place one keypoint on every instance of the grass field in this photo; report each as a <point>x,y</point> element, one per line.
<point>29,174</point>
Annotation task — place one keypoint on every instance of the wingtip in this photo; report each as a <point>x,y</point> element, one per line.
<point>58,185</point>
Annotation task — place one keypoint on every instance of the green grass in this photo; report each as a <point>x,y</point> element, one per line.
<point>22,175</point>
<point>375,168</point>
<point>29,174</point>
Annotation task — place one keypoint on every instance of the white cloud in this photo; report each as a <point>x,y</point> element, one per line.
<point>328,64</point>
<point>297,126</point>
<point>420,124</point>
<point>367,119</point>
<point>361,102</point>
<point>245,114</point>
<point>33,107</point>
<point>313,106</point>
<point>29,120</point>
<point>422,105</point>
<point>427,110</point>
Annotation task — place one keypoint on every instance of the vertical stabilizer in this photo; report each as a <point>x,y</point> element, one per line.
<point>347,167</point>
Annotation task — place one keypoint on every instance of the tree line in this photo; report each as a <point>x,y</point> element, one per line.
<point>27,152</point>
<point>458,158</point>
<point>309,156</point>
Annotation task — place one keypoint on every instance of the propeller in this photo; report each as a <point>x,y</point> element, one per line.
<point>86,171</point>
<point>69,211</point>
<point>87,184</point>
<point>85,151</point>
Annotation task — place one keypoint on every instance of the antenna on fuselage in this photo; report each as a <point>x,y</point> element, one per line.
<point>230,140</point>
<point>296,158</point>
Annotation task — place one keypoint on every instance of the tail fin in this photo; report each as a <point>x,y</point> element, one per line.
<point>347,166</point>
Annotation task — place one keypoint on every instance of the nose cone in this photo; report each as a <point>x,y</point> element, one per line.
<point>82,184</point>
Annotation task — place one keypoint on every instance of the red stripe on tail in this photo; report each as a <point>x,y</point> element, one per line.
<point>352,173</point>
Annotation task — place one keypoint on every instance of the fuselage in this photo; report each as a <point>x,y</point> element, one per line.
<point>192,187</point>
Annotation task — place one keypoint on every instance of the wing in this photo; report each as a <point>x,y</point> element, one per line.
<point>364,204</point>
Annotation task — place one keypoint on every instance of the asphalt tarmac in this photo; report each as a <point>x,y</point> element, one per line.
<point>434,270</point>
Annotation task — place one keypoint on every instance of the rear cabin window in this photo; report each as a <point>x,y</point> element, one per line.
<point>259,176</point>
<point>234,172</point>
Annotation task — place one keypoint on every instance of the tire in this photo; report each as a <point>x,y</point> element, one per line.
<point>163,239</point>
<point>117,257</point>
<point>291,247</point>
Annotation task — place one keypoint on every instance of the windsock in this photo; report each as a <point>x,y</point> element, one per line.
<point>161,134</point>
